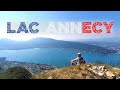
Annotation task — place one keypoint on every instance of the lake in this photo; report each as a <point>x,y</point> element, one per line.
<point>57,57</point>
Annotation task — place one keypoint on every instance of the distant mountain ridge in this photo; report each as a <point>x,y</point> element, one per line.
<point>112,39</point>
<point>7,44</point>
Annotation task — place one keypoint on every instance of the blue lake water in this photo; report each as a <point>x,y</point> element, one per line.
<point>57,57</point>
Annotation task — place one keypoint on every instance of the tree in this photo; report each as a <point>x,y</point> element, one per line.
<point>16,73</point>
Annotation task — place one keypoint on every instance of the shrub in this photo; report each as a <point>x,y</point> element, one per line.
<point>16,73</point>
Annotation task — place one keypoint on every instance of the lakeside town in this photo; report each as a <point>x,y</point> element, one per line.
<point>32,67</point>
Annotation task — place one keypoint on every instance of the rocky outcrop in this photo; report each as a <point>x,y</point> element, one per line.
<point>82,71</point>
<point>50,77</point>
<point>102,71</point>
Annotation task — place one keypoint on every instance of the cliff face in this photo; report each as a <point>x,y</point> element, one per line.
<point>84,71</point>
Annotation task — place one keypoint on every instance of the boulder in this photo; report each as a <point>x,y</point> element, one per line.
<point>110,75</point>
<point>50,77</point>
<point>101,73</point>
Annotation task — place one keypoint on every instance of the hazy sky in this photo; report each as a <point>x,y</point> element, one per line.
<point>43,17</point>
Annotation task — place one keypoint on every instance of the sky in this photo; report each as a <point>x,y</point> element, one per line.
<point>44,17</point>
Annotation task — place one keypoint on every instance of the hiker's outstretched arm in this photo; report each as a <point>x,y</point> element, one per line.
<point>75,59</point>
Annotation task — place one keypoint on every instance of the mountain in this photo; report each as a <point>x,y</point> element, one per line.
<point>83,71</point>
<point>111,39</point>
<point>7,44</point>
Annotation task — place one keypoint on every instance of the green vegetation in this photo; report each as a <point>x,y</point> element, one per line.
<point>15,73</point>
<point>33,68</point>
<point>83,71</point>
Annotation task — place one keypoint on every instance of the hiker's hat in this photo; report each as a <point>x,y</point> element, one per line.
<point>79,53</point>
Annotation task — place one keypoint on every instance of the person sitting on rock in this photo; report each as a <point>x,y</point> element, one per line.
<point>78,60</point>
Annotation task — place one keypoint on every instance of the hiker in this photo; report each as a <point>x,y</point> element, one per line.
<point>78,60</point>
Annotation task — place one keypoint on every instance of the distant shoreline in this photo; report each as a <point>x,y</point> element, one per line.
<point>32,67</point>
<point>60,48</point>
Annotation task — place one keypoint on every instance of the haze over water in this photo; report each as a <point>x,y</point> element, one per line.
<point>57,57</point>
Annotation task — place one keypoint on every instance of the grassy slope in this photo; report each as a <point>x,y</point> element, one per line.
<point>75,72</point>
